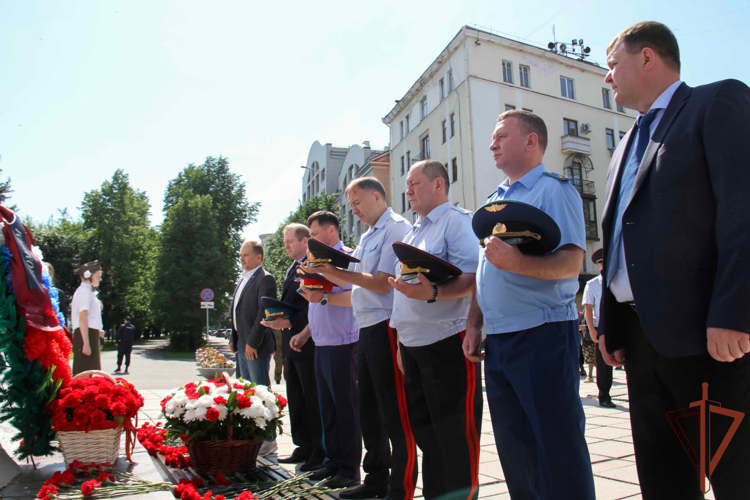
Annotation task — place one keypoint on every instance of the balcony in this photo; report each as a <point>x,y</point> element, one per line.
<point>576,144</point>
<point>584,187</point>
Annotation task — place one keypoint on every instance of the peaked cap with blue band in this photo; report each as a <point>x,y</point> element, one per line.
<point>277,309</point>
<point>517,223</point>
<point>415,261</point>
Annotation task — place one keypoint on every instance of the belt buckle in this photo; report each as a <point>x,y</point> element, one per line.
<point>632,306</point>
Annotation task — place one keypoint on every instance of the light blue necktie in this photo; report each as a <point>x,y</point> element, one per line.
<point>643,136</point>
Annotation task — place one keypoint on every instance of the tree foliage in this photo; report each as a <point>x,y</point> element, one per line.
<point>276,261</point>
<point>118,235</point>
<point>5,191</point>
<point>206,211</point>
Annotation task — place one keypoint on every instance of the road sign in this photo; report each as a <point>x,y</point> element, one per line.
<point>207,294</point>
<point>207,305</point>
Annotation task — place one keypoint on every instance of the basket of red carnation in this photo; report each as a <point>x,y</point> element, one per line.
<point>90,414</point>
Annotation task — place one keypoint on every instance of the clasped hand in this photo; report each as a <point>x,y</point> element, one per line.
<point>417,291</point>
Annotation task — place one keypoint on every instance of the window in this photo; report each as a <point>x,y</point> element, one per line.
<point>610,139</point>
<point>423,108</point>
<point>408,160</point>
<point>453,124</point>
<point>575,173</point>
<point>359,227</point>
<point>620,109</point>
<point>622,134</point>
<point>402,130</point>
<point>445,131</point>
<point>450,81</point>
<point>403,202</point>
<point>454,164</point>
<point>523,72</point>
<point>507,72</point>
<point>589,217</point>
<point>570,127</point>
<point>529,110</point>
<point>508,107</point>
<point>605,99</point>
<point>425,147</point>
<point>566,88</point>
<point>441,84</point>
<point>402,165</point>
<point>407,124</point>
<point>414,217</point>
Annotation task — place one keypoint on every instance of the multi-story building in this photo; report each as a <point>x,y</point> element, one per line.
<point>346,164</point>
<point>450,112</point>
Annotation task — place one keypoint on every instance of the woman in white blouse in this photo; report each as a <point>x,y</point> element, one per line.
<point>86,317</point>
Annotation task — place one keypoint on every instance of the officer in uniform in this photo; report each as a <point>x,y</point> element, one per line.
<point>383,414</point>
<point>524,299</point>
<point>443,390</point>
<point>124,337</point>
<point>592,299</point>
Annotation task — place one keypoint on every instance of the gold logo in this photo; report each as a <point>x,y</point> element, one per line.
<point>495,207</point>
<point>499,229</point>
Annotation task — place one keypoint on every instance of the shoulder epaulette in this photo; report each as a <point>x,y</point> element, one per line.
<point>559,177</point>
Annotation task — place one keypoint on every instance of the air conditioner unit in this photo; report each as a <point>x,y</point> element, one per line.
<point>585,128</point>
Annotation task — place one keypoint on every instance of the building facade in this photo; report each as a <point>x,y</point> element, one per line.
<point>449,115</point>
<point>346,164</point>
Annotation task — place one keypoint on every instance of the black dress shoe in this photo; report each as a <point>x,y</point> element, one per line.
<point>365,491</point>
<point>322,473</point>
<point>340,482</point>
<point>312,464</point>
<point>296,457</point>
<point>607,404</point>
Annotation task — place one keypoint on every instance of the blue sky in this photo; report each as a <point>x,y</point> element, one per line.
<point>87,87</point>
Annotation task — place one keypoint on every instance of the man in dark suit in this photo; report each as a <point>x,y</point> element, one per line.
<point>677,260</point>
<point>299,369</point>
<point>255,342</point>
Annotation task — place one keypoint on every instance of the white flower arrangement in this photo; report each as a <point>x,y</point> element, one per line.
<point>206,409</point>
<point>208,357</point>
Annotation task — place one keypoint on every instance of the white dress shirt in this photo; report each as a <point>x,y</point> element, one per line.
<point>620,285</point>
<point>238,293</point>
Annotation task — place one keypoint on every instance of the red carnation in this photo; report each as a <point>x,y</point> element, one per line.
<point>47,492</point>
<point>244,402</point>
<point>98,418</point>
<point>102,401</point>
<point>219,400</point>
<point>196,482</point>
<point>221,480</point>
<point>282,402</point>
<point>88,487</point>
<point>212,414</point>
<point>118,409</point>
<point>246,495</point>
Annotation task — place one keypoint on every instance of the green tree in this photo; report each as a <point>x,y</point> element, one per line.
<point>118,235</point>
<point>276,261</point>
<point>226,212</point>
<point>5,191</point>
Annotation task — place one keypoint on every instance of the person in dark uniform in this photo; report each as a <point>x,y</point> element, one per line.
<point>124,337</point>
<point>299,367</point>
<point>592,299</point>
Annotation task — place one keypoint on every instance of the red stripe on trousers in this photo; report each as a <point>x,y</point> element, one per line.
<point>405,424</point>
<point>472,436</point>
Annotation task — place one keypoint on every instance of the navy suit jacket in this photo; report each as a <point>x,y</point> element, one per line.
<point>299,320</point>
<point>686,229</point>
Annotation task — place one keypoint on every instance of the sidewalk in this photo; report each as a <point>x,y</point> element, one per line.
<point>608,431</point>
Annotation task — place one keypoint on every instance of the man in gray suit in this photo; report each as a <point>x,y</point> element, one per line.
<point>255,342</point>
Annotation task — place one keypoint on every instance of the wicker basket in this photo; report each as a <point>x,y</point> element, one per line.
<point>212,457</point>
<point>93,446</point>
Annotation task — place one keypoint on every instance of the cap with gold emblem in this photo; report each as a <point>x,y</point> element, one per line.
<point>598,257</point>
<point>415,261</point>
<point>313,281</point>
<point>319,253</point>
<point>277,309</point>
<point>89,268</point>
<point>517,223</point>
